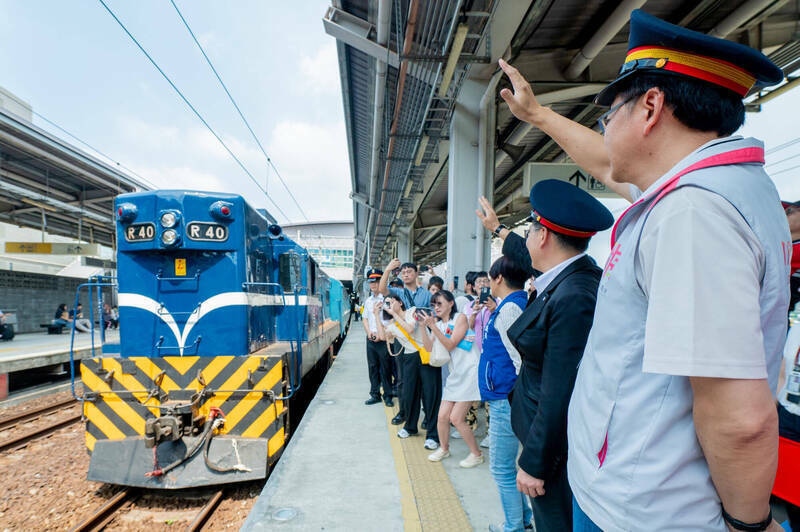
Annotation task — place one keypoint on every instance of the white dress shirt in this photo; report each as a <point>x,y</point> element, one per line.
<point>542,281</point>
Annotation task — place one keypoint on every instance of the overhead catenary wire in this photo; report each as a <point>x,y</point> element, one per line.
<point>238,110</point>
<point>783,146</point>
<point>796,155</point>
<point>192,107</point>
<point>773,174</point>
<point>144,179</point>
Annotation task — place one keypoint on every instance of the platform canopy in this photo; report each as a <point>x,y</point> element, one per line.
<point>404,66</point>
<point>48,184</point>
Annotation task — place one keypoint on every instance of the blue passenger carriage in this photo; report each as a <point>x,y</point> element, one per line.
<point>221,317</point>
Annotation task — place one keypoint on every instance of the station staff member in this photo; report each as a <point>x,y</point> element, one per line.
<point>672,424</point>
<point>379,365</point>
<point>550,336</point>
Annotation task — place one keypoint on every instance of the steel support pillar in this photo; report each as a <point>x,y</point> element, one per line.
<point>405,245</point>
<point>462,183</point>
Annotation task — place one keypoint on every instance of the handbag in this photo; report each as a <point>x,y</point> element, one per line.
<point>424,355</point>
<point>439,354</point>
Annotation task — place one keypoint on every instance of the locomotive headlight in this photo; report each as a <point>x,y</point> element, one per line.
<point>168,219</point>
<point>169,237</point>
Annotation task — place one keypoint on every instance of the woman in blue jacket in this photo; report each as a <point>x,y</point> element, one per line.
<point>497,372</point>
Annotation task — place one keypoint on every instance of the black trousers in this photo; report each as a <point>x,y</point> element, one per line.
<point>421,385</point>
<point>552,512</point>
<point>379,367</point>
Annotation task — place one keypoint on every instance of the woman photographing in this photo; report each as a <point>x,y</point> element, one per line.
<point>420,381</point>
<point>450,328</point>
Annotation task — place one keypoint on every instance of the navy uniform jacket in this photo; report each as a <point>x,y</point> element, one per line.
<point>550,336</point>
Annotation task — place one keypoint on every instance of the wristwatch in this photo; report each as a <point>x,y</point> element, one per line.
<point>499,228</point>
<point>750,527</point>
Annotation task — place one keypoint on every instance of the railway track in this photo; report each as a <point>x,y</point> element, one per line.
<point>109,511</point>
<point>9,422</point>
<point>23,439</point>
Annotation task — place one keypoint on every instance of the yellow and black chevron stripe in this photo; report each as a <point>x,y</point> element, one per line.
<point>124,392</point>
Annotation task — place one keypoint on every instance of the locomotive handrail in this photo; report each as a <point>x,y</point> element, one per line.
<point>98,281</point>
<point>162,311</point>
<point>247,284</point>
<point>158,347</point>
<point>159,277</point>
<point>294,381</point>
<point>175,280</point>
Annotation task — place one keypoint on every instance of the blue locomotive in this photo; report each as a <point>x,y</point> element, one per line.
<point>221,318</point>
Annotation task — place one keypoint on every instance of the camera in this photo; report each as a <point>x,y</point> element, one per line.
<point>387,305</point>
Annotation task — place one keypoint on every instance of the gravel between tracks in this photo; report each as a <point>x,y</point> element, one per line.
<point>44,487</point>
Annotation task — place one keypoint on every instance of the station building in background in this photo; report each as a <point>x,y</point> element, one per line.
<point>330,243</point>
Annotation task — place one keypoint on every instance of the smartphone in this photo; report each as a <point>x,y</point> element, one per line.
<point>424,311</point>
<point>455,282</point>
<point>486,293</point>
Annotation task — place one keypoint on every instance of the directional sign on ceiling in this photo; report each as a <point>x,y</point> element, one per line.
<point>571,173</point>
<point>53,248</point>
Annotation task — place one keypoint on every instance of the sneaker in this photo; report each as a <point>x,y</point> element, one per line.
<point>431,444</point>
<point>438,455</point>
<point>398,420</point>
<point>486,442</point>
<point>403,434</point>
<point>388,401</point>
<point>471,461</point>
<point>372,400</point>
<point>455,434</point>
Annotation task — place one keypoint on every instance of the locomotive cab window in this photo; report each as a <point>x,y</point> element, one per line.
<point>289,270</point>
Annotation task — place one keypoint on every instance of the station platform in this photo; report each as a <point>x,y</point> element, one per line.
<point>40,350</point>
<point>346,469</point>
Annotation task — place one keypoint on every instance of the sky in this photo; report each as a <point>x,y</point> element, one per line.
<point>82,72</point>
<point>85,74</point>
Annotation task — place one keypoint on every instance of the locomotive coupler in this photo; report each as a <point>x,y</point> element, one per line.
<point>176,420</point>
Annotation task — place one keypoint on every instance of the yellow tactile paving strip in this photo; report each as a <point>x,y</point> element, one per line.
<point>429,502</point>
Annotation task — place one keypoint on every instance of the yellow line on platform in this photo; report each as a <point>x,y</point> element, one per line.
<point>428,500</point>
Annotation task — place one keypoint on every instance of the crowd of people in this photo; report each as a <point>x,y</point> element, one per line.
<point>639,396</point>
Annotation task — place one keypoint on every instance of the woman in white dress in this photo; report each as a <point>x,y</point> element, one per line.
<point>451,329</point>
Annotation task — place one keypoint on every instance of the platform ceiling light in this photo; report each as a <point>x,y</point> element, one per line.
<point>38,204</point>
<point>452,60</point>
<point>407,190</point>
<point>168,219</point>
<point>423,143</point>
<point>169,237</point>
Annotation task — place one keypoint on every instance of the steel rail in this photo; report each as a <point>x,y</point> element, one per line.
<point>205,513</point>
<point>31,414</point>
<point>103,516</point>
<point>23,439</point>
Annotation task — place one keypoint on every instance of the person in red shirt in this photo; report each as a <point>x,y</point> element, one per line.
<point>793,217</point>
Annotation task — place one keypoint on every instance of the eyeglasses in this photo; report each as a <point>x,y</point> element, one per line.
<point>605,118</point>
<point>437,304</point>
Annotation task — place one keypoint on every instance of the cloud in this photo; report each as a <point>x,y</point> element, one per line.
<point>311,157</point>
<point>181,177</point>
<point>313,160</point>
<point>321,70</point>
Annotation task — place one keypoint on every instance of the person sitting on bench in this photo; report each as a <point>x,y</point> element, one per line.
<point>81,323</point>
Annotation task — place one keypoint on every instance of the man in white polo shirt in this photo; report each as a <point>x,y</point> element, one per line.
<point>672,423</point>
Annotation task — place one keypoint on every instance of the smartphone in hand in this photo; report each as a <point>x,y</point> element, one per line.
<point>486,294</point>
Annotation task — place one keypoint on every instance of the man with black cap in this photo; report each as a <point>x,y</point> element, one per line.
<point>672,422</point>
<point>378,361</point>
<point>550,336</point>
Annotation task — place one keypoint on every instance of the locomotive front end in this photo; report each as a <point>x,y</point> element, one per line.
<point>196,398</point>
